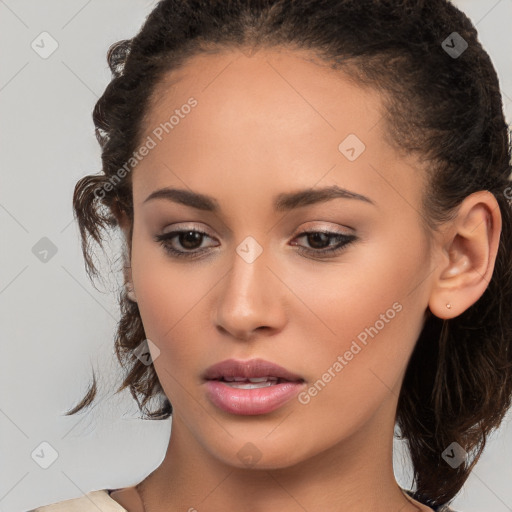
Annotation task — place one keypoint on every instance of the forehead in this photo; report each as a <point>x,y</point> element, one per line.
<point>275,86</point>
<point>274,119</point>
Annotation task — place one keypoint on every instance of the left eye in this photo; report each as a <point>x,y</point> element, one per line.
<point>191,240</point>
<point>321,242</point>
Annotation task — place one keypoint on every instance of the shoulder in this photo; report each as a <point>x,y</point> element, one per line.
<point>415,496</point>
<point>90,502</point>
<point>445,508</point>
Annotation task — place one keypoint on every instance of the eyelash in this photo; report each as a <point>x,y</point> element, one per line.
<point>345,240</point>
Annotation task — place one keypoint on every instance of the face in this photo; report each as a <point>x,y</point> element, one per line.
<point>332,286</point>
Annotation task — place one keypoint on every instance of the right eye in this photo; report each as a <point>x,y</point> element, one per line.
<point>189,239</point>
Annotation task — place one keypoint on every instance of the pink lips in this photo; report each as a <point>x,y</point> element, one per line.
<point>280,386</point>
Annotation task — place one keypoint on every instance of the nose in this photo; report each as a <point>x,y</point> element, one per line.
<point>251,300</point>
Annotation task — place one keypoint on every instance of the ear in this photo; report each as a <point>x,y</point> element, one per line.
<point>468,253</point>
<point>128,283</point>
<point>124,224</point>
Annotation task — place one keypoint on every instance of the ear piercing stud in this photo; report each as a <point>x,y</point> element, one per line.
<point>449,306</point>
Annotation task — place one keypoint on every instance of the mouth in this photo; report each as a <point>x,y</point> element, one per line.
<point>250,387</point>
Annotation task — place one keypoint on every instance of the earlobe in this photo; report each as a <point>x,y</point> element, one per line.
<point>467,257</point>
<point>130,292</point>
<point>128,282</point>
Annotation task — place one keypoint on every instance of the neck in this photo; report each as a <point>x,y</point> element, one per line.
<point>356,475</point>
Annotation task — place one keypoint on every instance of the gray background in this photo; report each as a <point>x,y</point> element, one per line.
<point>55,326</point>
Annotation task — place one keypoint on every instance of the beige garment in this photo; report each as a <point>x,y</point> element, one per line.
<point>101,501</point>
<point>93,501</point>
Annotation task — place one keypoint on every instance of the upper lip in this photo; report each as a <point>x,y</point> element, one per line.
<point>249,369</point>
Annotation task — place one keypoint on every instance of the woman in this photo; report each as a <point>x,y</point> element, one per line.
<point>313,196</point>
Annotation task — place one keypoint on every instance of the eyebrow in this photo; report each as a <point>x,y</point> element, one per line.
<point>282,202</point>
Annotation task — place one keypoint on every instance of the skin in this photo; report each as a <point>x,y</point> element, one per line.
<point>269,123</point>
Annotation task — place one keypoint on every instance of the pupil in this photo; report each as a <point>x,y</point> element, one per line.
<point>315,238</point>
<point>189,239</point>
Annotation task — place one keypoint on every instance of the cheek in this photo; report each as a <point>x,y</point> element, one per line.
<point>169,303</point>
<point>349,295</point>
<point>168,298</point>
<point>371,309</point>
<point>391,268</point>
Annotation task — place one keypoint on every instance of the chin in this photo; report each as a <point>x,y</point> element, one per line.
<point>257,453</point>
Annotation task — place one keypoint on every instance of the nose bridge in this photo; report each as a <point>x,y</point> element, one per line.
<point>248,299</point>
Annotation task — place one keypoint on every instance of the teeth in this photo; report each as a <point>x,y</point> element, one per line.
<point>252,379</point>
<point>252,385</point>
<point>262,379</point>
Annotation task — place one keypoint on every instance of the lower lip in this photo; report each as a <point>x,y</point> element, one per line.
<point>251,401</point>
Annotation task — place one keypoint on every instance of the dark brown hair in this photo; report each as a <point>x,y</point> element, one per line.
<point>445,108</point>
